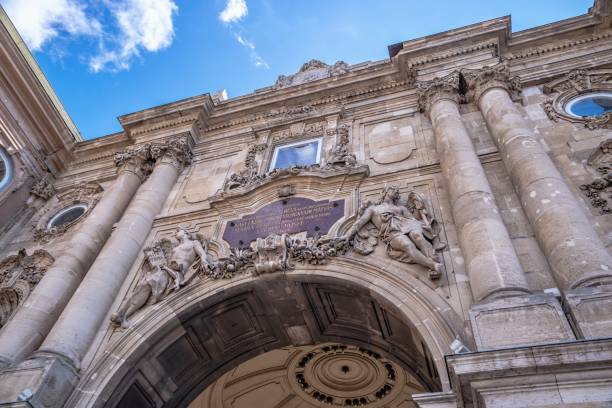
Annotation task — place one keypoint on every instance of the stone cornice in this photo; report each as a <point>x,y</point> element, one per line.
<point>556,46</point>
<point>285,111</point>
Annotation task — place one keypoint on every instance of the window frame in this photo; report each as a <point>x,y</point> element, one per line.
<point>278,147</point>
<point>8,175</point>
<point>64,211</point>
<point>581,97</point>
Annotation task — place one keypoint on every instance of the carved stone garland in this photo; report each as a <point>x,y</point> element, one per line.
<point>409,230</point>
<point>18,275</point>
<point>599,191</point>
<point>574,83</point>
<point>84,193</point>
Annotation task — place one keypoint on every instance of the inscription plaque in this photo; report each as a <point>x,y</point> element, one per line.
<point>287,216</point>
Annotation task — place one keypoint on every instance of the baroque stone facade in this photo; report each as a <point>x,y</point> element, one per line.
<point>431,230</point>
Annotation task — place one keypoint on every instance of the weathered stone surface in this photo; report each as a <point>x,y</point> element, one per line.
<point>591,309</point>
<point>500,196</point>
<point>519,321</point>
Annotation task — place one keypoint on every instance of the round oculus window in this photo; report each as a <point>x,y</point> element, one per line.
<point>591,104</point>
<point>67,215</point>
<point>6,169</point>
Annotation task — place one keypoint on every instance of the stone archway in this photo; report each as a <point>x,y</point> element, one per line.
<point>178,348</point>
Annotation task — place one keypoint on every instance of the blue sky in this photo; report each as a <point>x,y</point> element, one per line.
<point>106,58</point>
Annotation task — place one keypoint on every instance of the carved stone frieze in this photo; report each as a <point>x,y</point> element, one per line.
<point>478,81</point>
<point>439,88</point>
<point>311,71</point>
<point>86,194</point>
<point>334,99</point>
<point>599,191</point>
<point>300,130</point>
<point>573,84</point>
<point>18,275</point>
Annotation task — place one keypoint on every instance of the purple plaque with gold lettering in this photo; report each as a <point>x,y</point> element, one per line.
<point>287,216</point>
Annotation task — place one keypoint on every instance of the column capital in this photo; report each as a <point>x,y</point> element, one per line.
<point>135,160</point>
<point>176,152</point>
<point>437,89</point>
<point>497,76</point>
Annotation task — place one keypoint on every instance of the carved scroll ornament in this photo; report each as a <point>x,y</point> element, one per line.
<point>18,275</point>
<point>599,191</point>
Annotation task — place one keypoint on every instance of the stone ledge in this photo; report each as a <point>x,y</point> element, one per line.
<point>519,321</point>
<point>591,311</point>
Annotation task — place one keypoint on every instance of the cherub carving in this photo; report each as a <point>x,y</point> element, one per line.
<point>168,267</point>
<point>405,235</point>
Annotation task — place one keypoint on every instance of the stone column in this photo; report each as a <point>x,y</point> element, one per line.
<point>491,261</point>
<point>78,324</point>
<point>576,255</point>
<point>32,322</point>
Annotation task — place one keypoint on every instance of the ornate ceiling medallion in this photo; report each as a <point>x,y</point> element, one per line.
<point>581,97</point>
<point>346,376</point>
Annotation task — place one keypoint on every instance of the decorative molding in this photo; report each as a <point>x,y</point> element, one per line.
<point>141,159</point>
<point>338,98</point>
<point>19,274</point>
<point>538,51</point>
<point>478,81</point>
<point>348,376</point>
<point>454,53</point>
<point>300,131</point>
<point>43,189</point>
<point>599,191</point>
<point>573,84</point>
<point>84,193</point>
<point>313,70</point>
<point>250,177</point>
<point>447,87</point>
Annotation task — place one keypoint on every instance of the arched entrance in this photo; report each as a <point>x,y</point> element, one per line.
<point>180,347</point>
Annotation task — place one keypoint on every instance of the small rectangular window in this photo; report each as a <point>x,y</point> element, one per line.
<point>303,153</point>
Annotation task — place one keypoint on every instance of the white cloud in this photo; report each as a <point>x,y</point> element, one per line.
<point>129,26</point>
<point>39,21</point>
<point>255,58</point>
<point>234,11</point>
<point>142,25</point>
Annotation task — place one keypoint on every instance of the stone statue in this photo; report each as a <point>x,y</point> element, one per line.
<point>422,210</point>
<point>404,234</point>
<point>340,155</point>
<point>168,267</point>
